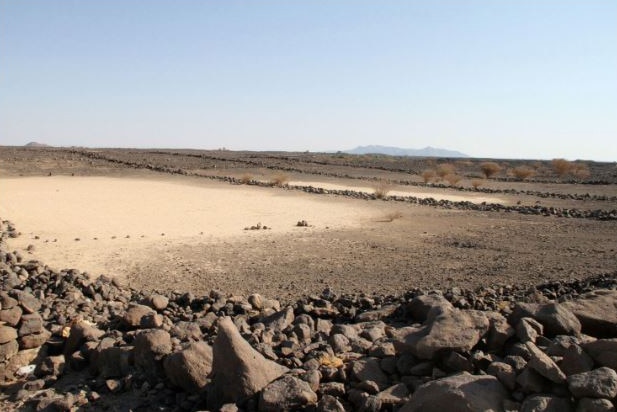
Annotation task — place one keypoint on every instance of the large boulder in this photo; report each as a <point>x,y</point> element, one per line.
<point>450,330</point>
<point>238,370</point>
<point>458,393</point>
<point>603,352</point>
<point>190,367</point>
<point>149,349</point>
<point>544,365</point>
<point>598,383</point>
<point>597,313</point>
<point>421,305</point>
<point>80,333</point>
<point>554,317</point>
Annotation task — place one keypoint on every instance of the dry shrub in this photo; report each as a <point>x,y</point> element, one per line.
<point>476,183</point>
<point>523,172</point>
<point>382,188</point>
<point>490,169</point>
<point>445,169</point>
<point>279,179</point>
<point>428,175</point>
<point>561,166</point>
<point>452,179</point>
<point>246,178</point>
<point>581,171</point>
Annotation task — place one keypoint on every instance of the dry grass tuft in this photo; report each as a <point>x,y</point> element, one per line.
<point>428,175</point>
<point>476,183</point>
<point>382,188</point>
<point>523,172</point>
<point>581,171</point>
<point>490,169</point>
<point>246,178</point>
<point>561,166</point>
<point>452,179</point>
<point>445,169</point>
<point>279,179</point>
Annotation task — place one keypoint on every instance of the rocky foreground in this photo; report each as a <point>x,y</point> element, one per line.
<point>69,341</point>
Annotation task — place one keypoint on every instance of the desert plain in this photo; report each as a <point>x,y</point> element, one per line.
<point>287,225</point>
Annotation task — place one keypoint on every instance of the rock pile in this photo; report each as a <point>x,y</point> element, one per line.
<point>69,341</point>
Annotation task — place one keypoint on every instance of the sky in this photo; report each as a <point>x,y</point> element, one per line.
<point>530,79</point>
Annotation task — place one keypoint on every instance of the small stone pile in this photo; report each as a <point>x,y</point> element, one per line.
<point>71,341</point>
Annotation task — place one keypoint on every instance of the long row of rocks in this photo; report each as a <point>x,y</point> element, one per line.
<point>71,341</point>
<point>539,210</point>
<point>262,164</point>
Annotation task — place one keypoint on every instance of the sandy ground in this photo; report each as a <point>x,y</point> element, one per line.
<point>166,232</point>
<point>94,223</point>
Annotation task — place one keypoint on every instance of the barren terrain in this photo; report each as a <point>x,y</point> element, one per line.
<point>177,220</point>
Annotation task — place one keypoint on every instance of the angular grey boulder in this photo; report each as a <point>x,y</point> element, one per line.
<point>238,370</point>
<point>597,313</point>
<point>598,383</point>
<point>190,367</point>
<point>458,393</point>
<point>450,330</point>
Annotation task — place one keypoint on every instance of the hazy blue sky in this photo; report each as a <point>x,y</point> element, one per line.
<point>491,78</point>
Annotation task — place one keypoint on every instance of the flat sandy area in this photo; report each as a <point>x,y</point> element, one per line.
<point>92,222</point>
<point>165,232</point>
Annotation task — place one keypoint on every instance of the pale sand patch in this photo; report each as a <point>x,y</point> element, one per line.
<point>437,194</point>
<point>63,208</point>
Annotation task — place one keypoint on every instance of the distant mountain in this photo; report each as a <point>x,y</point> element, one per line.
<point>397,151</point>
<point>37,144</point>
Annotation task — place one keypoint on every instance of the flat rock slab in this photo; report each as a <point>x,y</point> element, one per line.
<point>450,330</point>
<point>597,313</point>
<point>598,383</point>
<point>463,393</point>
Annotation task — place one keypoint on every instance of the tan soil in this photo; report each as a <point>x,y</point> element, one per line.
<point>352,245</point>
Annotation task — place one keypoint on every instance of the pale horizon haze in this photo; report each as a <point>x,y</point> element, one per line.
<point>531,79</point>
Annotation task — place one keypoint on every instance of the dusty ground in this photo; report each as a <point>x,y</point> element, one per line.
<point>351,245</point>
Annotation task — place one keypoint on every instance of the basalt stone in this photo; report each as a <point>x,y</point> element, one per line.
<point>420,306</point>
<point>158,302</point>
<point>597,313</point>
<point>79,333</point>
<point>286,393</point>
<point>279,321</point>
<point>30,323</point>
<point>454,330</point>
<point>28,302</point>
<point>34,340</point>
<point>544,365</point>
<point>555,317</point>
<point>238,370</point>
<point>149,349</point>
<point>546,403</point>
<point>7,334</point>
<point>190,367</point>
<point>9,349</point>
<point>595,405</point>
<point>598,383</point>
<point>465,392</point>
<point>368,369</point>
<point>603,352</point>
<point>133,316</point>
<point>11,316</point>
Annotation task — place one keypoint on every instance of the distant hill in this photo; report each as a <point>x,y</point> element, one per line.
<point>36,144</point>
<point>397,151</point>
